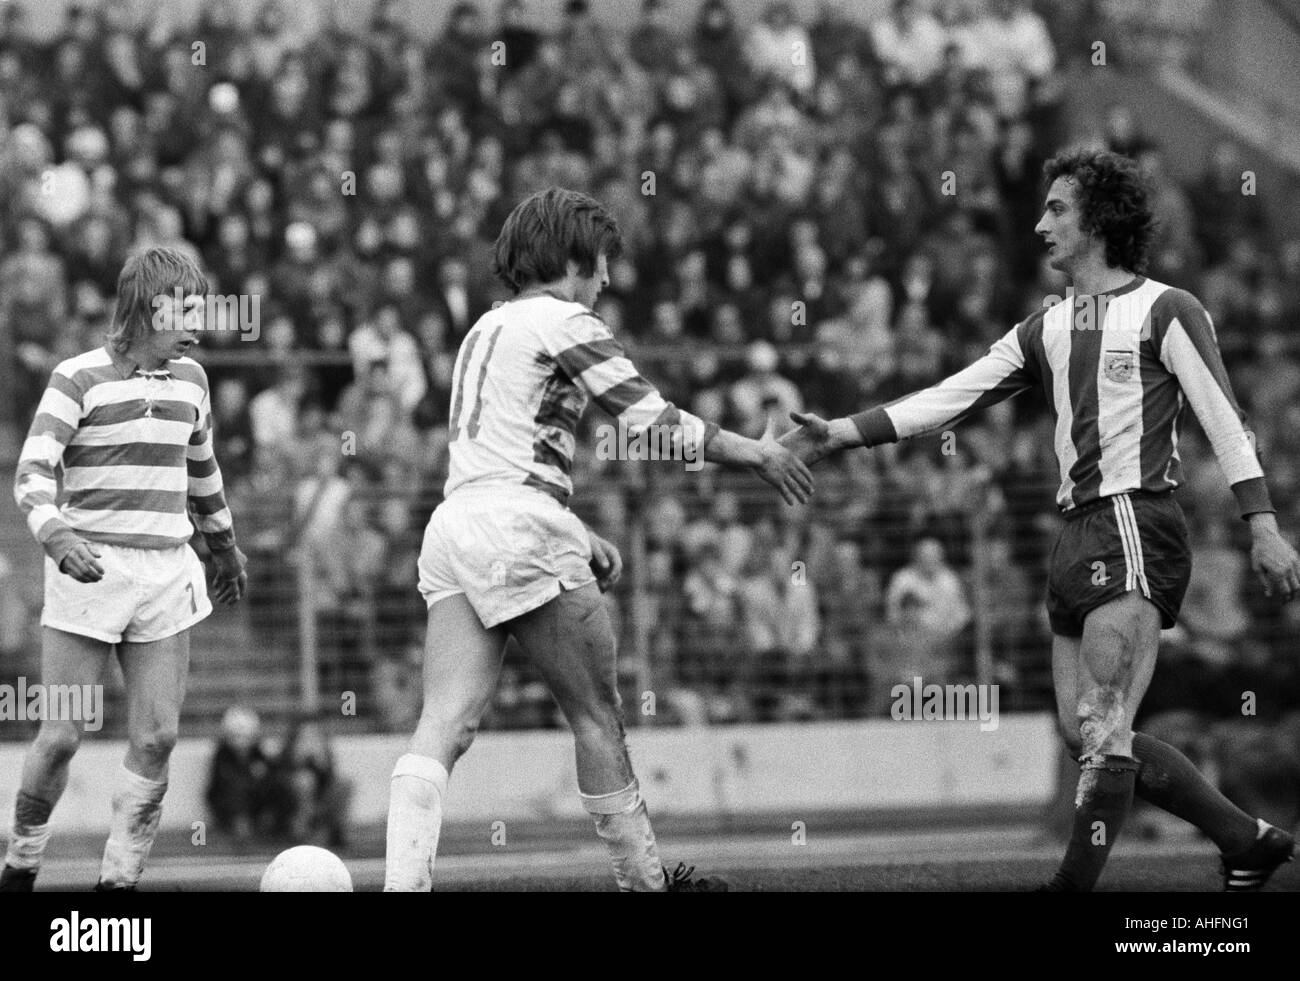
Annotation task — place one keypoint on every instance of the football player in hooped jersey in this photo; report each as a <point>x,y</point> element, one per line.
<point>1117,364</point>
<point>130,427</point>
<point>504,556</point>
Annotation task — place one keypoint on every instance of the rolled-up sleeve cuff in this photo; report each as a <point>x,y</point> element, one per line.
<point>1252,496</point>
<point>875,426</point>
<point>219,541</point>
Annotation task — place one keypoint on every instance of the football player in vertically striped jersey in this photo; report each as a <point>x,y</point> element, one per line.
<point>1118,363</point>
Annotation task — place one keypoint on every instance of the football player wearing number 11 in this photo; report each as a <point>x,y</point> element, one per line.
<point>504,556</point>
<point>130,424</point>
<point>1117,366</point>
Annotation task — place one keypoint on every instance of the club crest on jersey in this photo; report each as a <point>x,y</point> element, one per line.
<point>1118,365</point>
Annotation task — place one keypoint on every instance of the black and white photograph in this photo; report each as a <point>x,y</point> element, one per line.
<point>584,446</point>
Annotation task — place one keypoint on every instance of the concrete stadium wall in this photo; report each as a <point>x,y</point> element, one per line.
<point>872,765</point>
<point>1255,49</point>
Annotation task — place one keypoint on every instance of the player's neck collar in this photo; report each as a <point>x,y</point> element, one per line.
<point>127,366</point>
<point>533,292</point>
<point>1128,287</point>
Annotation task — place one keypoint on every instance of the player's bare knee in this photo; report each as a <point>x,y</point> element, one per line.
<point>1103,722</point>
<point>154,745</point>
<point>57,742</point>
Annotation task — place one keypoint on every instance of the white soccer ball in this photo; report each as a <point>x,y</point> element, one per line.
<point>306,868</point>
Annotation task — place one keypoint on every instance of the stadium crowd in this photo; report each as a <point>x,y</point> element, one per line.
<point>825,229</point>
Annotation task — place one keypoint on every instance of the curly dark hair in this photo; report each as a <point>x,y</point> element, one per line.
<point>1114,202</point>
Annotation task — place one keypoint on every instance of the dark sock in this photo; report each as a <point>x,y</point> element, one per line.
<point>1105,796</point>
<point>29,810</point>
<point>1169,780</point>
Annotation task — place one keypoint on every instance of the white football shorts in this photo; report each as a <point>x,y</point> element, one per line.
<point>508,549</point>
<point>146,594</point>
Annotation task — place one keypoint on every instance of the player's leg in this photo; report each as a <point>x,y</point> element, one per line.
<point>66,659</point>
<point>1251,848</point>
<point>1166,778</point>
<point>571,641</point>
<point>155,673</point>
<point>1116,657</point>
<point>462,660</point>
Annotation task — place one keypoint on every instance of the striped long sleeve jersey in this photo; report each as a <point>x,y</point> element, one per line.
<point>136,454</point>
<point>523,378</point>
<point>1118,372</point>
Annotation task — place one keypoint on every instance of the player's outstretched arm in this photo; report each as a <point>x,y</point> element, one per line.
<point>775,463</point>
<point>1272,557</point>
<point>588,353</point>
<point>998,375</point>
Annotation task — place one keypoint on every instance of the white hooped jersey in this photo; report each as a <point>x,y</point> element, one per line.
<point>521,382</point>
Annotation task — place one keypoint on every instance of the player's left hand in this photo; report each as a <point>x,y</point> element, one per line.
<point>1276,563</point>
<point>606,563</point>
<point>230,580</point>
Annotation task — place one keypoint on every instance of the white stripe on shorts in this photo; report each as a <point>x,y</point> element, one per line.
<point>1128,533</point>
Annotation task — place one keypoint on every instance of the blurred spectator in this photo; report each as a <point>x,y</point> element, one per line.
<point>520,37</point>
<point>1013,44</point>
<point>370,412</point>
<point>909,42</point>
<point>273,412</point>
<point>232,424</point>
<point>651,42</point>
<point>1008,607</point>
<point>779,48</point>
<point>781,628</point>
<point>346,568</point>
<point>382,341</point>
<point>764,394</point>
<point>315,798</point>
<point>1225,213</point>
<point>1213,613</point>
<point>927,597</point>
<point>240,790</point>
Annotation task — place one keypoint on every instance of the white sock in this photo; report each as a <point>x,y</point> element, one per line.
<point>27,838</point>
<point>137,808</point>
<point>414,823</point>
<point>623,823</point>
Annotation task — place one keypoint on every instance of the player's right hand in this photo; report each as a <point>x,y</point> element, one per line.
<point>812,441</point>
<point>784,470</point>
<point>82,563</point>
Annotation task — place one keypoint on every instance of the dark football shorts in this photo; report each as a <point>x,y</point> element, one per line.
<point>1116,545</point>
